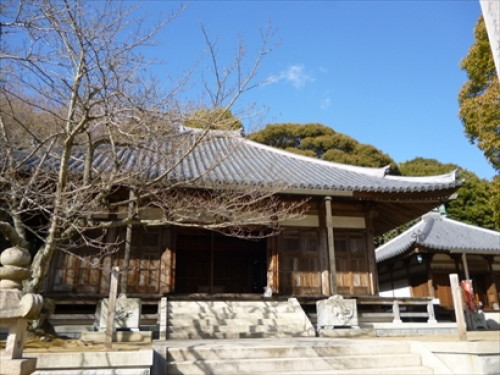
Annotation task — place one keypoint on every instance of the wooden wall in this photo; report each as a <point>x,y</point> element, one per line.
<point>87,270</point>
<point>297,261</point>
<point>430,278</point>
<point>304,260</point>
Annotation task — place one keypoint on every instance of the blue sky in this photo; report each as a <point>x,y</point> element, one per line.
<point>383,72</point>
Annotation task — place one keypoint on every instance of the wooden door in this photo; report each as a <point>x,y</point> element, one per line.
<point>480,289</point>
<point>208,262</point>
<point>442,289</point>
<point>351,262</point>
<point>301,266</point>
<point>144,265</point>
<point>77,273</point>
<point>419,286</point>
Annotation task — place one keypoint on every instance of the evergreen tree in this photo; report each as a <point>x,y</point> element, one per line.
<point>479,105</point>
<point>317,140</point>
<point>472,204</point>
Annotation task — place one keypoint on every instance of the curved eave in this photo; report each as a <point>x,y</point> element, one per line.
<point>401,251</point>
<point>455,250</point>
<point>367,171</point>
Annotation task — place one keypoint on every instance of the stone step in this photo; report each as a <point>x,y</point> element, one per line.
<point>407,370</point>
<point>192,335</point>
<point>226,303</point>
<point>230,310</point>
<point>239,315</point>
<point>242,321</point>
<point>235,328</point>
<point>297,365</point>
<point>266,352</point>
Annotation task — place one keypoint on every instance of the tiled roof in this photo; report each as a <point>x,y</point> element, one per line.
<point>437,232</point>
<point>228,159</point>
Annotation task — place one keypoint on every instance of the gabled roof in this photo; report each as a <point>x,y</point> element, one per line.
<point>440,233</point>
<point>227,159</point>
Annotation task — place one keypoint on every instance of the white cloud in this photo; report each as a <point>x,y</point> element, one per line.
<point>295,74</point>
<point>325,103</point>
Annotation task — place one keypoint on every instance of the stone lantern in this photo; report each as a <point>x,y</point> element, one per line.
<point>15,310</point>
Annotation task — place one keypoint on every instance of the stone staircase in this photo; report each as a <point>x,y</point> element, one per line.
<point>236,319</point>
<point>317,356</point>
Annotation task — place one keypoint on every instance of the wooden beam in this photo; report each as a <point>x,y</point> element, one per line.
<point>466,267</point>
<point>331,246</point>
<point>323,261</point>
<point>370,248</point>
<point>422,196</point>
<point>430,284</point>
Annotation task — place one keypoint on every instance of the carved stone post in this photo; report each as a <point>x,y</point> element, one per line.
<point>16,310</point>
<point>395,310</point>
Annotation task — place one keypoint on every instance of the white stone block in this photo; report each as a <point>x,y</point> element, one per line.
<point>336,311</point>
<point>128,314</point>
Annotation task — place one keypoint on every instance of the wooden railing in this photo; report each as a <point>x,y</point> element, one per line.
<point>396,303</point>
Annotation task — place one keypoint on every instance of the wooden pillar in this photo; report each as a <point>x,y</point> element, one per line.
<point>456,259</point>
<point>272,264</point>
<point>466,268</point>
<point>492,289</point>
<point>370,247</point>
<point>430,284</point>
<point>331,246</point>
<point>167,262</point>
<point>324,264</point>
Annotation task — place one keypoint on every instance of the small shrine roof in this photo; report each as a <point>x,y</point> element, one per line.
<point>437,232</point>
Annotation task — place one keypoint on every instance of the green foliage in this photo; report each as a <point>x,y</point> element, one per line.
<point>386,237</point>
<point>479,97</point>
<point>298,151</point>
<point>495,200</point>
<point>323,142</point>
<point>220,119</point>
<point>473,204</point>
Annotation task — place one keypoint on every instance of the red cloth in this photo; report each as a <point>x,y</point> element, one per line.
<point>467,288</point>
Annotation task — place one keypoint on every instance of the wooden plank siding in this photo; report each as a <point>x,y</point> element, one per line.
<point>431,277</point>
<point>300,261</point>
<point>176,260</point>
<point>351,261</point>
<point>86,270</point>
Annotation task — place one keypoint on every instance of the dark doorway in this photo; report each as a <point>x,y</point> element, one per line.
<point>208,262</point>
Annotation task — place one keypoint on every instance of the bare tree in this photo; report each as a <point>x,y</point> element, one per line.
<point>85,132</point>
